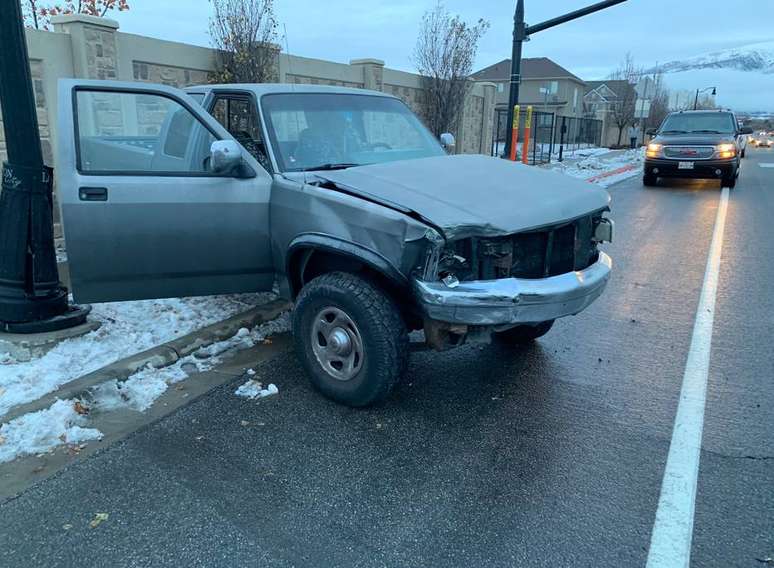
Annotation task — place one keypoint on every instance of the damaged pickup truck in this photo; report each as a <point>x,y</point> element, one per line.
<point>341,196</point>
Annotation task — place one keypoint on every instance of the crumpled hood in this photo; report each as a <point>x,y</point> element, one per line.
<point>474,195</point>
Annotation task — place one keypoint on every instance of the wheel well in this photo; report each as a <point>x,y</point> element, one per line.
<point>309,263</point>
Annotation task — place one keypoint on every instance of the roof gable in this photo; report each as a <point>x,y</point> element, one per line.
<point>610,90</point>
<point>531,68</point>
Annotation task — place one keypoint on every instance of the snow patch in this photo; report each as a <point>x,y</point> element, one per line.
<point>253,389</point>
<point>61,424</point>
<point>127,328</point>
<point>594,165</point>
<point>42,431</point>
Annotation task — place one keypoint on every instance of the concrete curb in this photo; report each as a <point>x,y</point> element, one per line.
<point>160,356</point>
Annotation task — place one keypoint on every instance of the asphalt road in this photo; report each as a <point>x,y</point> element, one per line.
<point>547,455</point>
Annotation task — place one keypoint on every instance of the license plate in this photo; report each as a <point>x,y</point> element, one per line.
<point>685,166</point>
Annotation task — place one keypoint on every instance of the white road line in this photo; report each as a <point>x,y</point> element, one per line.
<point>670,542</point>
<point>766,165</point>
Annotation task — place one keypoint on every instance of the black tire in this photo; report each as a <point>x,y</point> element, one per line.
<point>379,331</point>
<point>730,181</point>
<point>744,152</point>
<point>524,333</point>
<point>649,180</point>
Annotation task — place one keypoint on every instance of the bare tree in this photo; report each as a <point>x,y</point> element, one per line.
<point>659,103</point>
<point>38,13</point>
<point>659,108</point>
<point>244,33</point>
<point>624,107</point>
<point>444,55</point>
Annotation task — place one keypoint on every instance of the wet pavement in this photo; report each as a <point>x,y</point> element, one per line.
<point>546,455</point>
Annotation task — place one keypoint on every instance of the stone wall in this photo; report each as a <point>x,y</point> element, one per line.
<point>307,80</point>
<point>169,74</point>
<point>36,70</point>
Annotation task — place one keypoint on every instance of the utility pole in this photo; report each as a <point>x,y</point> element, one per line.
<point>521,33</point>
<point>31,297</point>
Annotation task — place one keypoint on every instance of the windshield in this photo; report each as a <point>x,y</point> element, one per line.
<point>709,122</point>
<point>311,131</point>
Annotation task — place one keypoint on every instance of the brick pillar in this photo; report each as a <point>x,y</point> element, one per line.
<point>95,50</point>
<point>373,73</point>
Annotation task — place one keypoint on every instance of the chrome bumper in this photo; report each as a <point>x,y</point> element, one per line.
<point>514,300</point>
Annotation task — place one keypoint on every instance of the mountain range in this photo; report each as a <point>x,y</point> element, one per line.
<point>743,76</point>
<point>757,57</point>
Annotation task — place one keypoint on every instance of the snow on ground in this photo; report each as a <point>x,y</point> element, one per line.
<point>127,328</point>
<point>67,421</point>
<point>253,389</point>
<point>570,150</point>
<point>594,165</point>
<point>38,432</point>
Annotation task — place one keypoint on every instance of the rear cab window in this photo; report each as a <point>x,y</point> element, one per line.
<point>237,113</point>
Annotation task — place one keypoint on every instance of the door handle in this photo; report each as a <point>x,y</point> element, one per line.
<point>93,194</point>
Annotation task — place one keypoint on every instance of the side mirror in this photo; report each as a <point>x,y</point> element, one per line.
<point>225,157</point>
<point>447,141</point>
<point>651,131</point>
<point>745,130</point>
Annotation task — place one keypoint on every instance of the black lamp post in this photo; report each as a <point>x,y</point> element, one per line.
<point>696,100</point>
<point>521,33</point>
<point>31,296</point>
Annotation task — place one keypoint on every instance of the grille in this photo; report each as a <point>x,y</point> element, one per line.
<point>689,152</point>
<point>538,254</point>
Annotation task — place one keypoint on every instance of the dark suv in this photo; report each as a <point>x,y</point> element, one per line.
<point>696,144</point>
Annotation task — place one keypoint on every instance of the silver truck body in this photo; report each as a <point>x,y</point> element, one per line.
<point>157,221</point>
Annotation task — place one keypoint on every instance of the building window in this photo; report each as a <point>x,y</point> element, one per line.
<point>500,87</point>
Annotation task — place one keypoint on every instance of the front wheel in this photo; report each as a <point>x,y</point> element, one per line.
<point>649,180</point>
<point>729,182</point>
<point>524,333</point>
<point>351,338</point>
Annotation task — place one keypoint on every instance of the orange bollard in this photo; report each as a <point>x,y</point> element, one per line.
<point>515,132</point>
<point>527,132</point>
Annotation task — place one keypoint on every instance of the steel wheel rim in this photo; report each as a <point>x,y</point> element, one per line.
<point>337,344</point>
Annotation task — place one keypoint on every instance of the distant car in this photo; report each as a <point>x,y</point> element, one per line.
<point>756,138</point>
<point>696,144</point>
<point>764,142</point>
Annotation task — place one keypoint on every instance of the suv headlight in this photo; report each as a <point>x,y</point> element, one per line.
<point>654,150</point>
<point>726,150</point>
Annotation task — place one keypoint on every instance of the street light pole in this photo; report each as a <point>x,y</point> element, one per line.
<point>31,296</point>
<point>521,33</point>
<point>696,100</point>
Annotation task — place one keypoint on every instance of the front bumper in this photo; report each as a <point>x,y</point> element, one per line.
<point>702,169</point>
<point>514,300</point>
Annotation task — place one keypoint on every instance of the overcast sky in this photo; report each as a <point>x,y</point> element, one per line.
<point>340,30</point>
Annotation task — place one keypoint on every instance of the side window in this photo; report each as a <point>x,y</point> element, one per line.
<point>139,133</point>
<point>239,116</point>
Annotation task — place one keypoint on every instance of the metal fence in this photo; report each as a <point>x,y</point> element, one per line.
<point>551,135</point>
<point>576,133</point>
